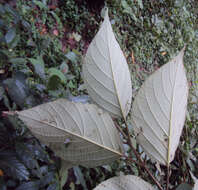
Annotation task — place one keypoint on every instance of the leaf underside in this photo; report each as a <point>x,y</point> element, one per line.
<point>106,73</point>
<point>128,182</point>
<point>159,109</point>
<point>81,134</point>
<point>196,185</point>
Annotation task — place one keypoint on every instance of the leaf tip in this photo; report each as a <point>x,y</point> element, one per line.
<point>106,12</point>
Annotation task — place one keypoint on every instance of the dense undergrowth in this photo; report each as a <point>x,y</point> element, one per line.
<point>42,44</point>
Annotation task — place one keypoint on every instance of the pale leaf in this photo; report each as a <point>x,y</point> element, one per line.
<point>81,134</point>
<point>128,182</point>
<point>159,110</point>
<point>106,73</point>
<point>184,186</point>
<point>196,185</point>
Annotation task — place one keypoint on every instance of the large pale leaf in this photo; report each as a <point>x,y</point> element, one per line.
<point>106,73</point>
<point>128,182</point>
<point>196,185</point>
<point>184,186</point>
<point>159,110</point>
<point>81,134</point>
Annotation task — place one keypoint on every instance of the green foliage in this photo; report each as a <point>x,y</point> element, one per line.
<point>32,52</point>
<point>150,31</point>
<point>19,91</point>
<point>22,158</point>
<point>39,66</point>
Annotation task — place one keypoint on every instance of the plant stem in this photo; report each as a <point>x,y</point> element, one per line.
<point>130,160</point>
<point>141,163</point>
<point>167,177</point>
<point>120,130</point>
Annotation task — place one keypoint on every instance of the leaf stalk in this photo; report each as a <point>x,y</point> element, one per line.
<point>141,162</point>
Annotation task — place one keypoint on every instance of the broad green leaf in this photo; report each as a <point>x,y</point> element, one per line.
<point>179,3</point>
<point>39,66</point>
<point>17,60</point>
<point>128,182</point>
<point>26,156</point>
<point>9,9</point>
<point>10,35</point>
<point>63,176</point>
<point>159,110</point>
<point>140,3</point>
<point>71,56</point>
<point>14,42</point>
<point>71,85</point>
<point>106,73</point>
<point>41,5</point>
<point>128,10</point>
<point>13,166</point>
<point>58,20</point>
<point>58,73</point>
<point>17,88</point>
<point>81,134</point>
<point>80,177</point>
<point>126,7</point>
<point>53,83</point>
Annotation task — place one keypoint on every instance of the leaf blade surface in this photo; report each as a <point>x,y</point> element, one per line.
<point>81,134</point>
<point>159,109</point>
<point>124,183</point>
<point>106,73</point>
<point>196,185</point>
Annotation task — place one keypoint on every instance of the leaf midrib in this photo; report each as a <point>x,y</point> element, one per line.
<point>119,101</point>
<point>79,136</point>
<point>171,113</point>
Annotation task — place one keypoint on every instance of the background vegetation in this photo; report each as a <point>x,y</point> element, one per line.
<point>42,43</point>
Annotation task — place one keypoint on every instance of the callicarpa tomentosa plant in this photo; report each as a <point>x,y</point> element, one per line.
<point>157,115</point>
